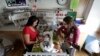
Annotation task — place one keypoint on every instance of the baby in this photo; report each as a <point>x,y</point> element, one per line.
<point>57,47</point>
<point>47,44</point>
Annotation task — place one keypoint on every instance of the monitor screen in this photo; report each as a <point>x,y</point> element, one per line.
<point>11,3</point>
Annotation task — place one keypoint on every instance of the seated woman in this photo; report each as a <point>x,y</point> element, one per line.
<point>70,34</point>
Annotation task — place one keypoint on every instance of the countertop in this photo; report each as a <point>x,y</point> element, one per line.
<point>11,28</point>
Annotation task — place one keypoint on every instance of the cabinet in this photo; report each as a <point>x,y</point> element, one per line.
<point>18,16</point>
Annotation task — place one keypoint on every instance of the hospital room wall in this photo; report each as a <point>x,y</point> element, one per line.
<point>93,19</point>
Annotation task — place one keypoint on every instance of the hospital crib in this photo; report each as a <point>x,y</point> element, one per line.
<point>45,54</point>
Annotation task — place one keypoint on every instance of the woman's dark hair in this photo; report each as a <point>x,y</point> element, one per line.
<point>68,19</point>
<point>31,20</point>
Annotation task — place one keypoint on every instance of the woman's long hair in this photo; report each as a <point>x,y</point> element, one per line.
<point>31,20</point>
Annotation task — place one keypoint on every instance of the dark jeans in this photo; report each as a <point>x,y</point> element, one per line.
<point>28,48</point>
<point>65,47</point>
